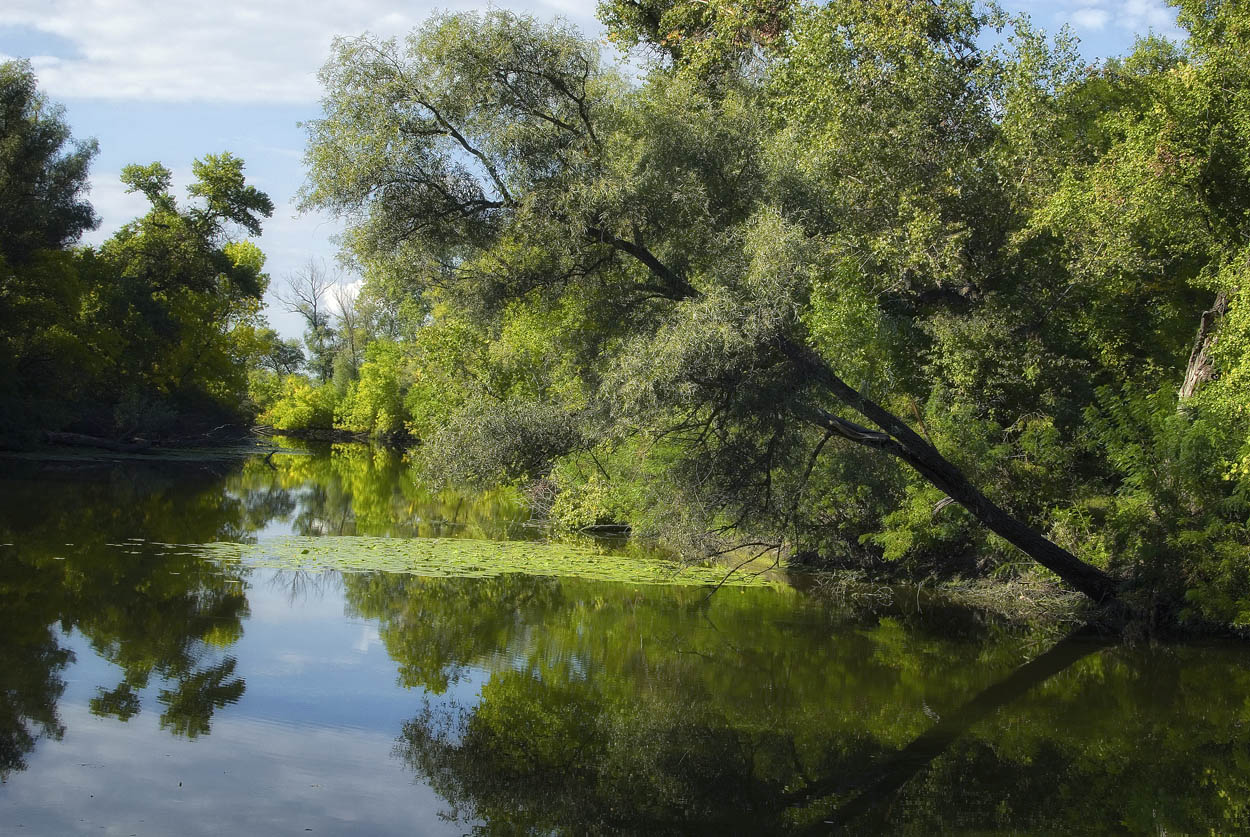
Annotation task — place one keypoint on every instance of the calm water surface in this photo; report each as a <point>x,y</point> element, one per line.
<point>148,692</point>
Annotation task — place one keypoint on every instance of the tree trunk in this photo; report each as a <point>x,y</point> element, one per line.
<point>1200,368</point>
<point>80,440</point>
<point>901,441</point>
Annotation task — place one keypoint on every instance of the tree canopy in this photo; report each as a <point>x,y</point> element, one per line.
<point>43,171</point>
<point>707,302</point>
<point>152,330</point>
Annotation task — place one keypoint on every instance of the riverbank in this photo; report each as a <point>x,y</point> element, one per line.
<point>335,434</point>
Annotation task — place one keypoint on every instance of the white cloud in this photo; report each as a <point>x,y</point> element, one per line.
<point>369,638</point>
<point>1113,22</point>
<point>113,204</point>
<point>1142,15</point>
<point>229,51</point>
<point>344,293</point>
<point>1090,18</point>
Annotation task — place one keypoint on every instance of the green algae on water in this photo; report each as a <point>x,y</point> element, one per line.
<point>459,557</point>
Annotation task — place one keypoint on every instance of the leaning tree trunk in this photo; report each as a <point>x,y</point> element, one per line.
<point>878,786</point>
<point>897,439</point>
<point>1201,368</point>
<point>901,441</point>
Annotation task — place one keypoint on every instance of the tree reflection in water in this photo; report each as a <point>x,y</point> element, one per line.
<point>615,711</point>
<point>31,663</point>
<point>352,489</point>
<point>168,618</point>
<point>151,613</point>
<point>609,708</point>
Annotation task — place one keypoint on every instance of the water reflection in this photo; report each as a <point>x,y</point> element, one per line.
<point>659,710</point>
<point>168,621</point>
<point>358,490</point>
<point>541,705</point>
<point>649,716</point>
<point>150,616</point>
<point>31,683</point>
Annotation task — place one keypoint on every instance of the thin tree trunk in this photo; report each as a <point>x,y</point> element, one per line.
<point>901,441</point>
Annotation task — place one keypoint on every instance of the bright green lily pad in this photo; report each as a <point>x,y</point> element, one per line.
<point>464,558</point>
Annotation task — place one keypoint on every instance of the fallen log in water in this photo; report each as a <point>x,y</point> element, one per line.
<point>81,440</point>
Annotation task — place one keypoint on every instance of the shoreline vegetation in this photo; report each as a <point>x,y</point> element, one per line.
<point>1043,607</point>
<point>1039,606</point>
<point>832,283</point>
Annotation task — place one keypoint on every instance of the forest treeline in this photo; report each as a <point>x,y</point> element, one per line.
<point>860,283</point>
<point>149,333</point>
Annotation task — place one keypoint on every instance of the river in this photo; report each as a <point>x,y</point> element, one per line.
<point>229,643</point>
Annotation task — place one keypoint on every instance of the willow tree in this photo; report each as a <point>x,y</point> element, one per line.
<point>827,219</point>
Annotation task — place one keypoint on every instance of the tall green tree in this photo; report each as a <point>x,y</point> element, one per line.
<point>1148,211</point>
<point>43,171</point>
<point>780,257</point>
<point>182,283</point>
<point>158,322</point>
<point>280,356</point>
<point>43,210</point>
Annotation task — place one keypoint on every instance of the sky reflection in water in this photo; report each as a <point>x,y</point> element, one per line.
<point>308,746</point>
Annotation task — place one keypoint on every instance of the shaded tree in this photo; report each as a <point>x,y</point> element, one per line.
<point>43,172</point>
<point>282,357</point>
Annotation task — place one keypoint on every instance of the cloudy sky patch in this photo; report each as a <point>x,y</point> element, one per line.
<point>184,51</point>
<point>1090,18</point>
<point>1106,27</point>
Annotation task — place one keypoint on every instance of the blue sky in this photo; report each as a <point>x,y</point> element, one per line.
<point>177,79</point>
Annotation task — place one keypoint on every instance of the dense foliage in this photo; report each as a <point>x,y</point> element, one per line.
<point>152,332</point>
<point>839,281</point>
<point>751,297</point>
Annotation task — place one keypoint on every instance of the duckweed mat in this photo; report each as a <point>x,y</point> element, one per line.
<point>460,558</point>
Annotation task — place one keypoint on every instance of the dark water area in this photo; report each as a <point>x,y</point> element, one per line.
<point>149,691</point>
